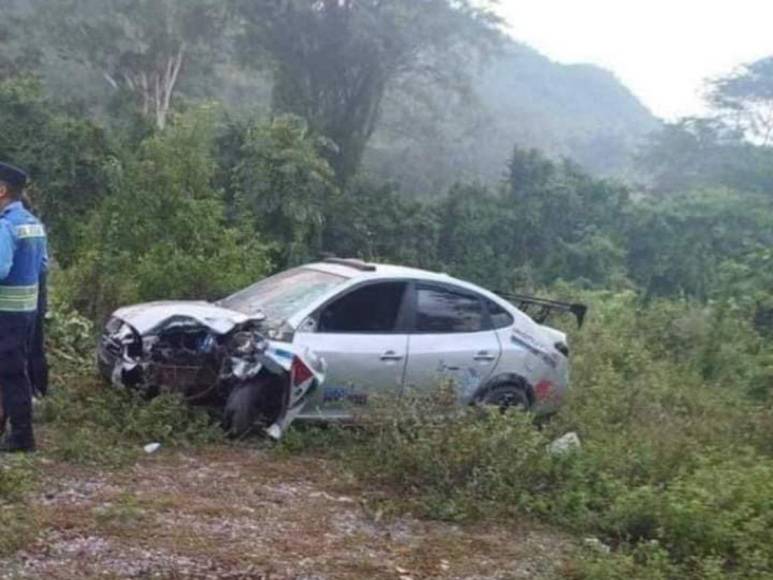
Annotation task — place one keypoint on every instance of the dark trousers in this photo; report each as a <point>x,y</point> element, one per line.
<point>37,365</point>
<point>15,333</point>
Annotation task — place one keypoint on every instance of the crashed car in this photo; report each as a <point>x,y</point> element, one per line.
<point>380,330</point>
<point>211,356</point>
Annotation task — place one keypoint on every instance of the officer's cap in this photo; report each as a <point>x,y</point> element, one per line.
<point>13,176</point>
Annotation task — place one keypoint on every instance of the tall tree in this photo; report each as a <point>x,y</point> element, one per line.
<point>144,47</point>
<point>334,60</point>
<point>285,185</point>
<point>744,99</point>
<point>64,154</point>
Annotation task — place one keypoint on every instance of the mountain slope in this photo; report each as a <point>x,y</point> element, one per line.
<point>582,112</point>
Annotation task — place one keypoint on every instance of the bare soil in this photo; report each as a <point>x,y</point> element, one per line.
<point>233,513</point>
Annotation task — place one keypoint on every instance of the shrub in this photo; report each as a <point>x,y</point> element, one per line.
<point>95,424</point>
<point>452,464</point>
<point>283,183</point>
<point>675,469</point>
<point>162,232</point>
<point>64,153</point>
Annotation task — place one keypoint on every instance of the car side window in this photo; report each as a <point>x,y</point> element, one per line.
<point>500,318</point>
<point>371,309</point>
<point>442,310</point>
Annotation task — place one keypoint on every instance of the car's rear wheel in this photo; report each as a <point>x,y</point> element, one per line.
<point>507,397</point>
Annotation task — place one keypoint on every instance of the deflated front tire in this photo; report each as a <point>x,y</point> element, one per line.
<point>242,410</point>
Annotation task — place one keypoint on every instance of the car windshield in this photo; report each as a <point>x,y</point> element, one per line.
<point>280,296</point>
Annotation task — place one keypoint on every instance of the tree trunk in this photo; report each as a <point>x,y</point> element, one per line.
<point>166,83</point>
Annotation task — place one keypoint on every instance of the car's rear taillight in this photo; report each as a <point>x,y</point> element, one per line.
<point>299,372</point>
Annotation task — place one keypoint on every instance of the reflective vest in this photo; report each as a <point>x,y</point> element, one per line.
<point>19,289</point>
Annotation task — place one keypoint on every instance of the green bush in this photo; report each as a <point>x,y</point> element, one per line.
<point>674,473</point>
<point>284,185</point>
<point>64,154</point>
<point>162,232</point>
<point>456,464</point>
<point>70,336</point>
<point>95,424</point>
<point>720,513</point>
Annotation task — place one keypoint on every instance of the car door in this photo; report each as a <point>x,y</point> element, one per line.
<point>450,337</point>
<point>361,335</point>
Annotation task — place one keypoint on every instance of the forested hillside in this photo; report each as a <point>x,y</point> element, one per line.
<point>186,148</point>
<point>458,124</point>
<point>580,112</point>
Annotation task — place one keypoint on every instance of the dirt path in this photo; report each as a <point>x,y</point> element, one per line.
<point>242,513</point>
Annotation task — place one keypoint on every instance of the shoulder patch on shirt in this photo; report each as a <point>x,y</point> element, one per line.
<point>27,231</point>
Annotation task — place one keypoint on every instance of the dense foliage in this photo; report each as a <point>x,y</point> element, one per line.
<point>428,90</point>
<point>673,479</point>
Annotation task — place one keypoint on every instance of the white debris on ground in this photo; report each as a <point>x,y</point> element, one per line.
<point>597,545</point>
<point>151,448</point>
<point>566,444</point>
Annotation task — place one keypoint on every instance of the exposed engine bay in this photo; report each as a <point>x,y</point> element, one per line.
<point>210,356</point>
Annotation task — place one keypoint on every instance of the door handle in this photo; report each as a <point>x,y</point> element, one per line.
<point>391,356</point>
<point>485,356</point>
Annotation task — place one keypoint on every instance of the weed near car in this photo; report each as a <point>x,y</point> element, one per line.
<point>675,475</point>
<point>90,423</point>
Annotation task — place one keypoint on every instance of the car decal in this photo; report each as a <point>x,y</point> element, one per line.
<point>524,340</point>
<point>343,394</point>
<point>467,380</point>
<point>282,353</point>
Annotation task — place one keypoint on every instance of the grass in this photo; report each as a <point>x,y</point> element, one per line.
<point>96,425</point>
<point>674,479</point>
<point>17,521</point>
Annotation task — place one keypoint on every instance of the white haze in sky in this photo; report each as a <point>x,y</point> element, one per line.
<point>663,50</point>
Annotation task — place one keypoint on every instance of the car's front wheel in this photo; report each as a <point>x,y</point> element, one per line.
<point>242,410</point>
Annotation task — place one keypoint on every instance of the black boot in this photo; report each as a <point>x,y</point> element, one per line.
<point>18,445</point>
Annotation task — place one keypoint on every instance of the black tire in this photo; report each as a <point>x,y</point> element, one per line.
<point>507,397</point>
<point>242,410</point>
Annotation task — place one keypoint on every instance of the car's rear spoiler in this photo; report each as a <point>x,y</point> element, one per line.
<point>540,309</point>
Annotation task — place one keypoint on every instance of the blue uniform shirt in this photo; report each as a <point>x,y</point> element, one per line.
<point>23,259</point>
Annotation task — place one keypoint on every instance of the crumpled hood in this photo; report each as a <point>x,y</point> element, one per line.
<point>147,318</point>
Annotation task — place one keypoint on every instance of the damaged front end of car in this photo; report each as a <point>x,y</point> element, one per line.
<point>210,356</point>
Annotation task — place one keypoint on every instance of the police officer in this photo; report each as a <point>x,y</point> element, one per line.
<point>23,259</point>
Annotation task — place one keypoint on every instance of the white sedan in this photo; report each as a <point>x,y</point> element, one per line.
<point>382,330</point>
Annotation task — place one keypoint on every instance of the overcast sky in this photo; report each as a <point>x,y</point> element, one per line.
<point>662,49</point>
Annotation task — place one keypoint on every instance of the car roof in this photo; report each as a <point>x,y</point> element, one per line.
<point>368,271</point>
<point>356,270</point>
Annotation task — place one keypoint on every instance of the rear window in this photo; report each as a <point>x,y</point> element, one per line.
<point>442,310</point>
<point>500,318</point>
<point>281,296</point>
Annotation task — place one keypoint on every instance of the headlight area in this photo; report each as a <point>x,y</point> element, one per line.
<point>232,370</point>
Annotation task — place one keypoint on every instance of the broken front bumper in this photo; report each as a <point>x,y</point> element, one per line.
<point>205,358</point>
